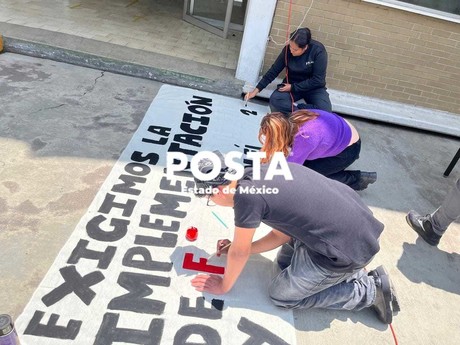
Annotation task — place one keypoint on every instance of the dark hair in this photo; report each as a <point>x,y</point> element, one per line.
<point>205,166</point>
<point>301,37</point>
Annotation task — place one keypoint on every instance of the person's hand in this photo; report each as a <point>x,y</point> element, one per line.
<point>251,94</point>
<point>222,247</point>
<point>285,88</point>
<point>208,283</point>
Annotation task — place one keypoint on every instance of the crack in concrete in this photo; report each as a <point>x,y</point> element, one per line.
<point>92,87</point>
<point>63,104</point>
<point>47,108</point>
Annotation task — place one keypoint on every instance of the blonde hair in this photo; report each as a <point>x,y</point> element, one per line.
<point>277,131</point>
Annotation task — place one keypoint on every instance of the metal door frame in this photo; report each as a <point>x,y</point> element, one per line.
<point>205,26</point>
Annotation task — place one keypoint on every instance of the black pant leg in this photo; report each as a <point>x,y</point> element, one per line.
<point>317,99</point>
<point>334,167</point>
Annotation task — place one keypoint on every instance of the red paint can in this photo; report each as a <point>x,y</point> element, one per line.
<point>191,234</point>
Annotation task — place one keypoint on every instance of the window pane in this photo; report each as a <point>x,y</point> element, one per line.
<point>450,6</point>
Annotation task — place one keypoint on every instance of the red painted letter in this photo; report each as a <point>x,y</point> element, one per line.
<point>202,266</point>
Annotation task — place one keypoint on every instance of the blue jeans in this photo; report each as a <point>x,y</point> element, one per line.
<point>316,99</point>
<point>303,284</point>
<point>334,167</point>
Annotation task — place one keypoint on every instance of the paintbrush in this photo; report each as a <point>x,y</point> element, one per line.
<point>226,246</point>
<point>245,99</point>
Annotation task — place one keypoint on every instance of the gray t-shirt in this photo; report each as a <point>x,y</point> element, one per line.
<point>339,230</point>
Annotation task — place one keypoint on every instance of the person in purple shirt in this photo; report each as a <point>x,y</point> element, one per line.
<point>319,140</point>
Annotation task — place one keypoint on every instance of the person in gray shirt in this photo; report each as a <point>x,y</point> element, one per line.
<point>326,233</point>
<point>433,226</point>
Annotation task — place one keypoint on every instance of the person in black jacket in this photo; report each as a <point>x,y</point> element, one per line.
<point>306,62</point>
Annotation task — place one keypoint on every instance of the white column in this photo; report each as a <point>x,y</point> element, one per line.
<point>259,17</point>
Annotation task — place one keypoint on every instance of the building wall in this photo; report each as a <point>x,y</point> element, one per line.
<point>378,51</point>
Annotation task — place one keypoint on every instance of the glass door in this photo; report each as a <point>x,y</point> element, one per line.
<point>216,16</point>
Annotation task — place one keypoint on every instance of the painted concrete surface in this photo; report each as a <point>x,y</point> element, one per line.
<point>62,128</point>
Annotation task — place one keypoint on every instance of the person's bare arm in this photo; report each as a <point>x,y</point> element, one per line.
<point>238,255</point>
<point>272,240</point>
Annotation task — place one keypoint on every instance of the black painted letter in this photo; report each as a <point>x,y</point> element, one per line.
<point>109,333</point>
<point>146,263</point>
<point>50,330</point>
<point>109,203</point>
<point>81,251</point>
<point>199,311</point>
<point>210,335</point>
<point>258,334</point>
<point>74,282</point>
<point>120,228</point>
<point>136,284</point>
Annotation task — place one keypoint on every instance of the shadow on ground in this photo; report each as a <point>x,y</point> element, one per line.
<point>422,263</point>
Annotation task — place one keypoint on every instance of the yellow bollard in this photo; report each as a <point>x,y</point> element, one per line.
<point>1,43</point>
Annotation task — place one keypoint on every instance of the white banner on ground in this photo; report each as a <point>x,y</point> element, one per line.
<point>124,275</point>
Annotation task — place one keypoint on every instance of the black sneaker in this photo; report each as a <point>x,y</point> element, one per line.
<point>384,297</point>
<point>422,225</point>
<point>365,179</point>
<point>380,271</point>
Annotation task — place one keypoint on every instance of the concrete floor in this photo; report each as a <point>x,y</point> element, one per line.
<point>148,25</point>
<point>62,128</point>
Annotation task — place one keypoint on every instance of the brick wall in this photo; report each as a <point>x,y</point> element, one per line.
<point>378,51</point>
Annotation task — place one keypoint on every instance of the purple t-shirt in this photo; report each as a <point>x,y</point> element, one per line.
<point>326,136</point>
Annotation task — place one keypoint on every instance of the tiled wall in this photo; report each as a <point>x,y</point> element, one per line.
<point>378,51</point>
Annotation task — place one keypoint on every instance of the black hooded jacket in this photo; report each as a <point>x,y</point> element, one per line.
<point>306,72</point>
